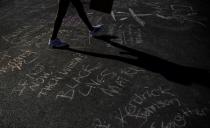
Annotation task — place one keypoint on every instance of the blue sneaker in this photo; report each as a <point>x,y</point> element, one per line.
<point>57,43</point>
<point>95,30</point>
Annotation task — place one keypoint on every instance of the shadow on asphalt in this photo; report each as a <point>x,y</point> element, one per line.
<point>171,71</point>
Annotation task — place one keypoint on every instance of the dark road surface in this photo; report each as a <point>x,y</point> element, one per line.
<point>149,68</point>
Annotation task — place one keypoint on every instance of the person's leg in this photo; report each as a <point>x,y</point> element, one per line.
<point>63,6</point>
<point>80,9</point>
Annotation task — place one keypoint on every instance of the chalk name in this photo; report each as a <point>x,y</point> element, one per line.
<point>8,63</point>
<point>138,109</point>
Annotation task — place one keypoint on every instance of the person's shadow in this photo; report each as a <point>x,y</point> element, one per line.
<point>171,71</point>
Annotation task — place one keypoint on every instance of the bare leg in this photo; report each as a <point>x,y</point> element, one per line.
<point>63,7</point>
